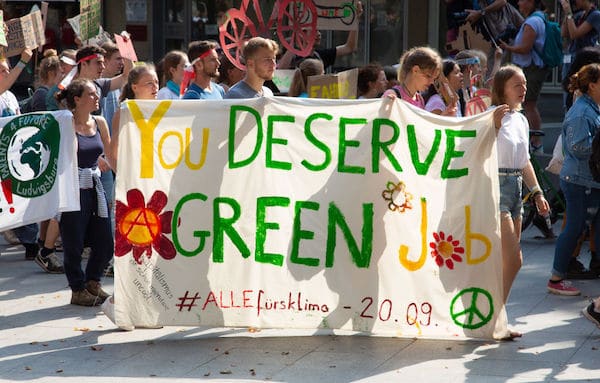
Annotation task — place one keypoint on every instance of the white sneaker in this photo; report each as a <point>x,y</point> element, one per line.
<point>109,310</point>
<point>10,237</point>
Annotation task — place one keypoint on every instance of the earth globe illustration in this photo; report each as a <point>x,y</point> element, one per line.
<point>28,154</point>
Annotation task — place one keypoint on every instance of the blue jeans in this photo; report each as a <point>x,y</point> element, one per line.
<point>85,226</point>
<point>510,195</point>
<point>581,201</point>
<point>27,233</point>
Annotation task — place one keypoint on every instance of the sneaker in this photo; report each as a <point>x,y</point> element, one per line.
<point>95,289</point>
<point>562,287</point>
<point>591,314</point>
<point>108,307</point>
<point>31,251</point>
<point>10,237</point>
<point>576,270</point>
<point>84,298</point>
<point>50,264</point>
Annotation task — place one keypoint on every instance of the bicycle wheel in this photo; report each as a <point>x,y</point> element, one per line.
<point>529,213</point>
<point>297,27</point>
<point>234,32</point>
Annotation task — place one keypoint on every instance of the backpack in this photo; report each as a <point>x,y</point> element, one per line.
<point>594,161</point>
<point>26,104</point>
<point>552,53</point>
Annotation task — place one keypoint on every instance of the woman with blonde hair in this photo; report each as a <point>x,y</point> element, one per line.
<point>514,167</point>
<point>50,75</point>
<point>419,68</point>
<point>299,84</point>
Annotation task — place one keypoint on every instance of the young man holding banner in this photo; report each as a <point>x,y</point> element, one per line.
<point>260,55</point>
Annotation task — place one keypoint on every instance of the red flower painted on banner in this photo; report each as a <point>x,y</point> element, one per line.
<point>446,250</point>
<point>141,227</point>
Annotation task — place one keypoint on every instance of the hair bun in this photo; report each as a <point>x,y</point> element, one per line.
<point>50,53</point>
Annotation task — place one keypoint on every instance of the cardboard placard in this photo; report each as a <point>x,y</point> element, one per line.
<point>24,32</point>
<point>89,22</point>
<point>338,85</point>
<point>44,11</point>
<point>99,39</point>
<point>2,33</point>
<point>126,48</point>
<point>337,15</point>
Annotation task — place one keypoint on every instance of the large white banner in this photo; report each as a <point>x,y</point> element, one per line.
<point>38,168</point>
<point>367,215</point>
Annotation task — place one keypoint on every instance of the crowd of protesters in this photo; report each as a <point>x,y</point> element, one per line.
<point>94,80</point>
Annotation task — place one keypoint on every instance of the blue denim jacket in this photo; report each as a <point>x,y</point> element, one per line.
<point>581,123</point>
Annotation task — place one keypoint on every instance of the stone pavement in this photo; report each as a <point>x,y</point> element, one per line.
<point>45,339</point>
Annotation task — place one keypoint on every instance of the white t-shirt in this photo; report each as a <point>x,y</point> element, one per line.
<point>9,106</point>
<point>165,93</point>
<point>436,102</point>
<point>513,141</point>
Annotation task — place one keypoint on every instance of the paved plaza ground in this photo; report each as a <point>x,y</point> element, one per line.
<point>45,339</point>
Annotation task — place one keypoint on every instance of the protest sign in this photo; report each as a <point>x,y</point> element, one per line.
<point>2,33</point>
<point>281,212</point>
<point>24,32</point>
<point>38,168</point>
<point>340,15</point>
<point>44,11</point>
<point>337,85</point>
<point>125,46</point>
<point>479,102</point>
<point>283,79</point>
<point>90,12</point>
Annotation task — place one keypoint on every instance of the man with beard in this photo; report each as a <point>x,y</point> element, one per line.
<point>205,65</point>
<point>260,58</point>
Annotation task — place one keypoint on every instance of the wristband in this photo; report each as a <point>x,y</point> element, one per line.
<point>570,16</point>
<point>536,190</point>
<point>21,64</point>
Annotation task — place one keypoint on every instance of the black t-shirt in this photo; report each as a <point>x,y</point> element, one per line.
<point>327,55</point>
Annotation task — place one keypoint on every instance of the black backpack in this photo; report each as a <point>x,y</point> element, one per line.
<point>594,160</point>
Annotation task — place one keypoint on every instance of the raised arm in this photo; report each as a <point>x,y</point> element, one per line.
<point>8,81</point>
<point>117,82</point>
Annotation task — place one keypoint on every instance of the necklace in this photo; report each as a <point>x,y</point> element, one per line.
<point>411,94</point>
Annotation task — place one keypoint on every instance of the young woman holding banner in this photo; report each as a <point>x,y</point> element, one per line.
<point>93,216</point>
<point>142,84</point>
<point>508,92</point>
<point>419,68</point>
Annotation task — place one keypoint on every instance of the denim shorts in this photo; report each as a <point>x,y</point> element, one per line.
<point>510,195</point>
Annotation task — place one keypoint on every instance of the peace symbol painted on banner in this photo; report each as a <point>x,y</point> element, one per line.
<point>477,308</point>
